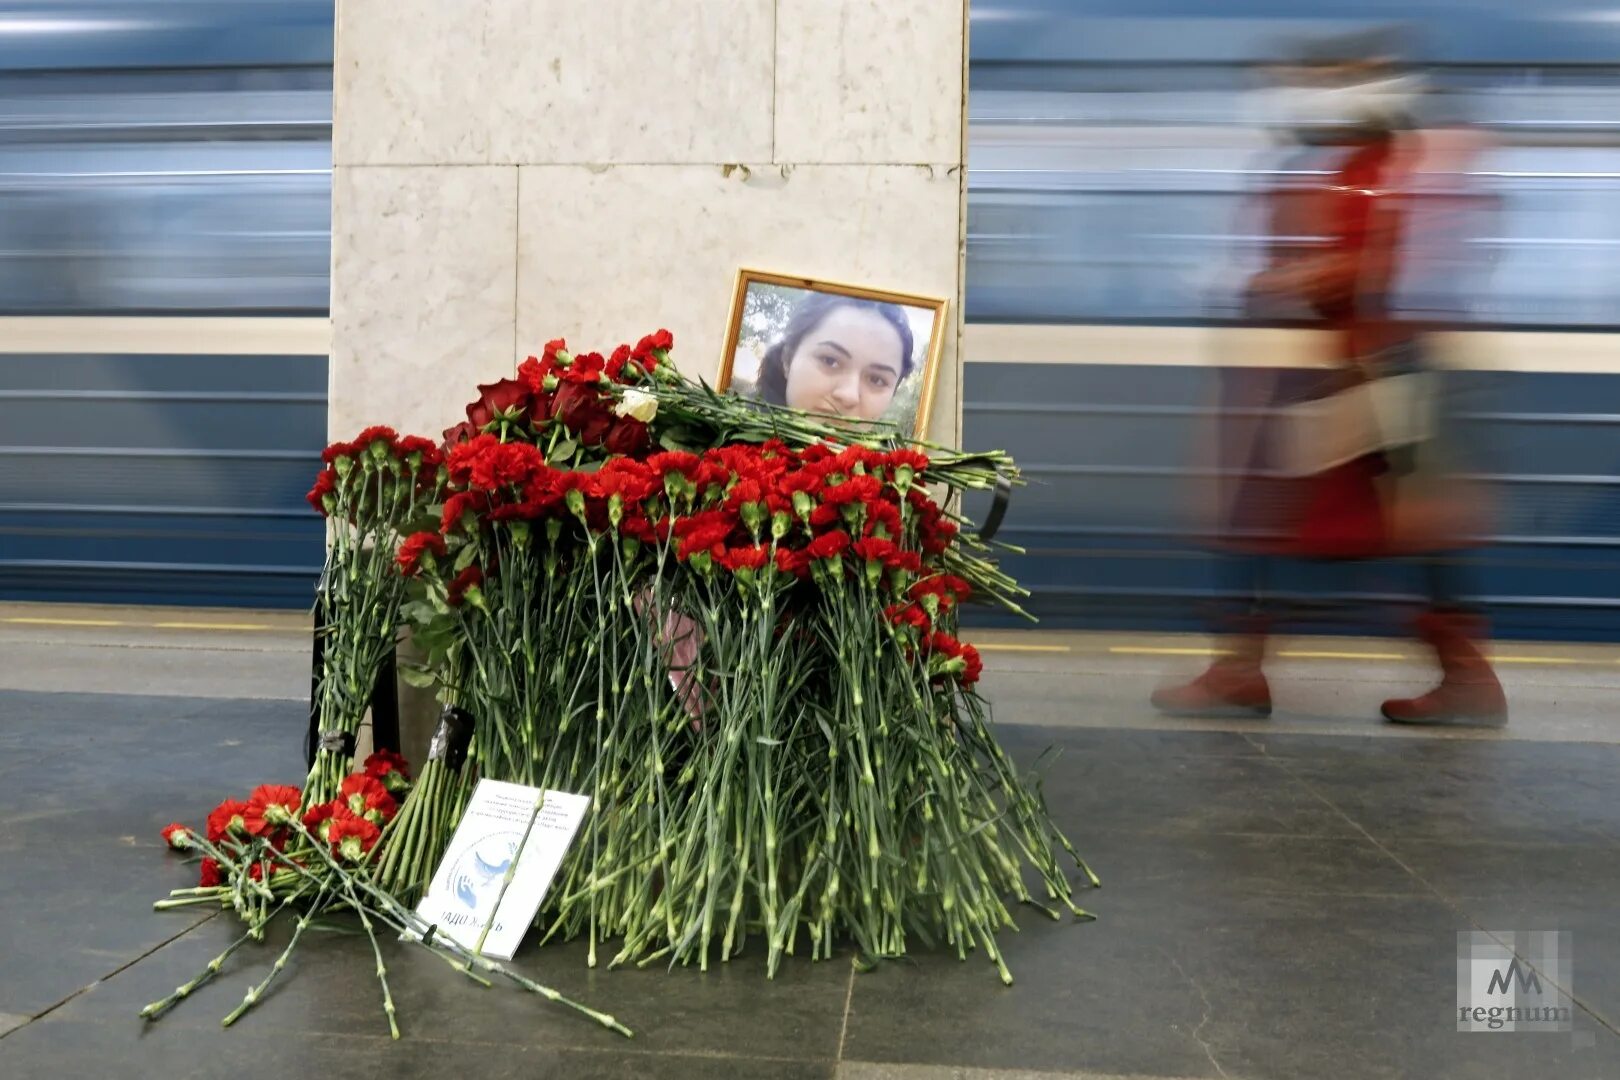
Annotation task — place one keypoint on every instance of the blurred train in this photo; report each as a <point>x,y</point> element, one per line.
<point>1115,149</point>
<point>165,238</point>
<point>165,170</point>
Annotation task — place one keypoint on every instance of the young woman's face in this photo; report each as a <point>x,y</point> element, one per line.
<point>848,365</point>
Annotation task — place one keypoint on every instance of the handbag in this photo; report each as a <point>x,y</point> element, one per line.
<point>1390,412</point>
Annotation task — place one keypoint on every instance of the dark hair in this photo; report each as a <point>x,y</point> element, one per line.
<point>771,386</point>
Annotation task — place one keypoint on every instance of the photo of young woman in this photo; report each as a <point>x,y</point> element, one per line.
<point>838,353</point>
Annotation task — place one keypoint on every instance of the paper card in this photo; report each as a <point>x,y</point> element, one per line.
<point>462,896</point>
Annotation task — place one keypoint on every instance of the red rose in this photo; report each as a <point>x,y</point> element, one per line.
<point>364,796</point>
<point>627,436</point>
<point>470,578</point>
<point>504,399</point>
<point>411,551</point>
<point>177,836</point>
<point>269,806</point>
<point>352,837</point>
<point>462,432</point>
<point>227,817</point>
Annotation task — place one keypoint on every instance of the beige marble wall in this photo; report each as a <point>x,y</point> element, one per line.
<point>512,170</point>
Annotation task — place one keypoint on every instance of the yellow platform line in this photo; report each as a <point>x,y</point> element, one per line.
<point>209,626</point>
<point>30,621</point>
<point>1157,650</point>
<point>1310,654</point>
<point>1546,660</point>
<point>997,646</point>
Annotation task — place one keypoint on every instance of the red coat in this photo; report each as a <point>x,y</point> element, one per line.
<point>1340,284</point>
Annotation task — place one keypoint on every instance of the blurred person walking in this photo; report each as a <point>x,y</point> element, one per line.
<point>1353,471</point>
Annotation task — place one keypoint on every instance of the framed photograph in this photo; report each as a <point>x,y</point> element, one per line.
<point>848,351</point>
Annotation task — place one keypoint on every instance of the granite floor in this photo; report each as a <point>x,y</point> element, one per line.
<point>1277,904</point>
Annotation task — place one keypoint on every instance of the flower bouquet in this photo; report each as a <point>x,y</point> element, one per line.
<point>734,627</point>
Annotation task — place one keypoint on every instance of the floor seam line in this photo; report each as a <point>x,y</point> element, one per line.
<point>115,972</point>
<point>843,1028</point>
<point>1449,901</point>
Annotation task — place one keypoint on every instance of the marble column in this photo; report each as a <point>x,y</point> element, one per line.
<point>509,171</point>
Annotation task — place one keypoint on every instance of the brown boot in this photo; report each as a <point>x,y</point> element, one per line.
<point>1232,687</point>
<point>1468,692</point>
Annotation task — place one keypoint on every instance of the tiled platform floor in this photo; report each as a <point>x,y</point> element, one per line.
<point>1277,904</point>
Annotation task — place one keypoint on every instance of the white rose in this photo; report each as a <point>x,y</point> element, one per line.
<point>638,405</point>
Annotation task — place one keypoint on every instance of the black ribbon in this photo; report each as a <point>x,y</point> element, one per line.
<point>452,737</point>
<point>337,742</point>
<point>998,508</point>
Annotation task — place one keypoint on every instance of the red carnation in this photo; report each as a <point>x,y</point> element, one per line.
<point>337,450</point>
<point>269,806</point>
<point>908,615</point>
<point>753,557</point>
<point>792,562</point>
<point>875,549</point>
<point>882,517</point>
<point>365,796</point>
<point>855,489</point>
<point>211,874</point>
<point>828,545</point>
<point>906,562</point>
<point>468,579</point>
<point>410,552</point>
<point>389,768</point>
<point>673,461</point>
<point>177,836</point>
<point>317,819</point>
<point>352,837</point>
<point>228,817</point>
<point>974,666</point>
<point>325,484</point>
<point>375,433</point>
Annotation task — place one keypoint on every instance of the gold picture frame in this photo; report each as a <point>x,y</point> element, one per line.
<point>765,302</point>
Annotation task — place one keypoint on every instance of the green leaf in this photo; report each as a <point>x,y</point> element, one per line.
<point>465,556</point>
<point>417,675</point>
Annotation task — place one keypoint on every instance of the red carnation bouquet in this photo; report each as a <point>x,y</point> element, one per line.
<point>735,627</point>
<point>373,490</point>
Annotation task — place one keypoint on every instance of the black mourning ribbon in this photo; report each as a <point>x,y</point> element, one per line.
<point>452,737</point>
<point>337,742</point>
<point>998,508</point>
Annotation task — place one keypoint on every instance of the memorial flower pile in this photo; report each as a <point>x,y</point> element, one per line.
<point>735,628</point>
